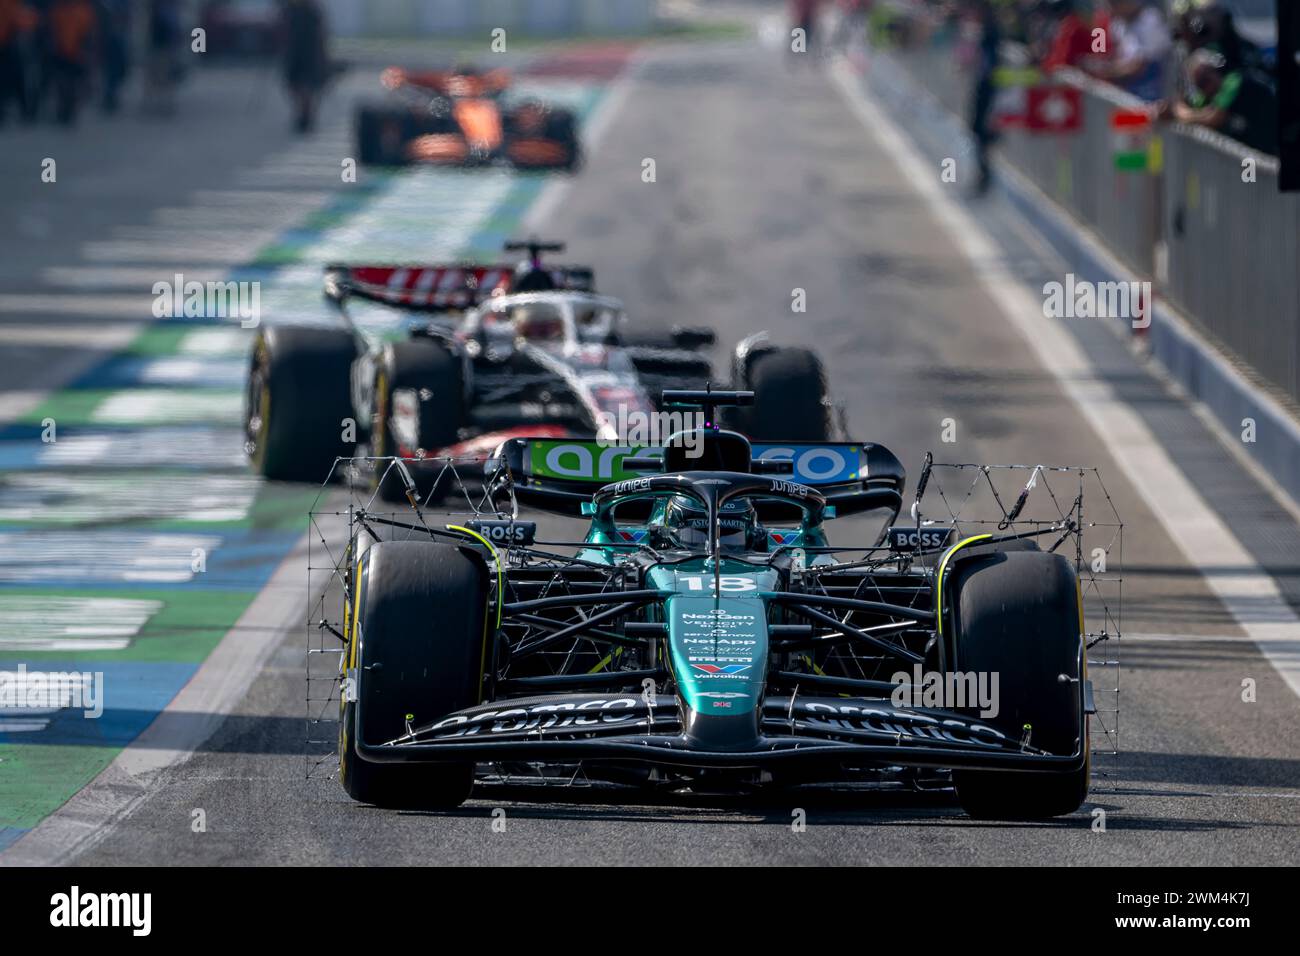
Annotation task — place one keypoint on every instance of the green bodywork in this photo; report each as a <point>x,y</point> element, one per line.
<point>717,644</point>
<point>717,621</point>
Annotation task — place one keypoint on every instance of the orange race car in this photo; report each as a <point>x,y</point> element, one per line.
<point>462,117</point>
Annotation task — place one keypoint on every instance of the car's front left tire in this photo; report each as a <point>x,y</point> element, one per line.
<point>432,377</point>
<point>1016,614</point>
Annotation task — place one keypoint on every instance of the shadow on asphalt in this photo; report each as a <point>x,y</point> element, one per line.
<point>840,808</point>
<point>834,807</point>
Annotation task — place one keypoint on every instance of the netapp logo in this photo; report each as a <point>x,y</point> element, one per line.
<point>103,909</point>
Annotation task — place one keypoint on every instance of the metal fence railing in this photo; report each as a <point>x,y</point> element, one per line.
<point>1224,251</point>
<point>1078,171</point>
<point>1234,251</point>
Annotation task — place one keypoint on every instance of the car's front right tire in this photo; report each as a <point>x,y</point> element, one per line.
<point>415,653</point>
<point>297,403</point>
<point>382,132</point>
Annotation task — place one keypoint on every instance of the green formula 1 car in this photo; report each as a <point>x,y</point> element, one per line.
<point>705,633</point>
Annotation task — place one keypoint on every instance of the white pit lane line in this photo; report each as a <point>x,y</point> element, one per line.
<point>1249,594</point>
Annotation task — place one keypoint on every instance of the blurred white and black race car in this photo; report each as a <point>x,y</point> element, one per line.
<point>489,352</point>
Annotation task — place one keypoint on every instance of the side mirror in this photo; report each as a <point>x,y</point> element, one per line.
<point>692,337</point>
<point>642,464</point>
<point>335,285</point>
<point>772,466</point>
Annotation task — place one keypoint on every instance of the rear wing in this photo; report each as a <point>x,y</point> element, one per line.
<point>436,287</point>
<point>560,474</point>
<point>447,82</point>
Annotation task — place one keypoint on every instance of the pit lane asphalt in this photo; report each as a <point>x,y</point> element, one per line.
<point>766,183</point>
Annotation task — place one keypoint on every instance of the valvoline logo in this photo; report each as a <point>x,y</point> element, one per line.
<point>722,669</point>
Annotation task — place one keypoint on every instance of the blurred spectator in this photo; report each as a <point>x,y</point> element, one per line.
<point>71,27</point>
<point>804,14</point>
<point>162,67</point>
<point>307,66</point>
<point>16,24</point>
<point>1069,35</point>
<point>114,56</point>
<point>1238,102</point>
<point>988,45</point>
<point>1139,44</point>
<point>1207,24</point>
<point>851,24</point>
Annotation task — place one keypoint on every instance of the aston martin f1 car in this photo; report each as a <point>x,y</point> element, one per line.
<point>491,351</point>
<point>463,118</point>
<point>705,634</point>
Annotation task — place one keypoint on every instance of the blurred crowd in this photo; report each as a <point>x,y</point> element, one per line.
<point>57,56</point>
<point>54,54</point>
<point>1187,58</point>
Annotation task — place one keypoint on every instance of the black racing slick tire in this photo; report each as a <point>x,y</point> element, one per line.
<point>298,413</point>
<point>1016,614</point>
<point>790,400</point>
<point>415,653</point>
<point>435,379</point>
<point>562,127</point>
<point>382,134</point>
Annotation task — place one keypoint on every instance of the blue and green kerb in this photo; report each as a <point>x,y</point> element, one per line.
<point>133,542</point>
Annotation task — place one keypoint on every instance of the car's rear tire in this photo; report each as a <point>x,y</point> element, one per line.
<point>437,379</point>
<point>1017,614</point>
<point>298,403</point>
<point>790,397</point>
<point>417,650</point>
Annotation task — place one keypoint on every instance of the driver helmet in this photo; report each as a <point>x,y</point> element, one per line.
<point>535,324</point>
<point>531,278</point>
<point>687,523</point>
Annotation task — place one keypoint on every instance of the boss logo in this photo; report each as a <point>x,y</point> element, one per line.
<point>509,533</point>
<point>928,538</point>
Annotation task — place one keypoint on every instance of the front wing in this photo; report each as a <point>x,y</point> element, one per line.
<point>794,730</point>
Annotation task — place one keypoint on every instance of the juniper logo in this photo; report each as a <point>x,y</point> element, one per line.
<point>179,298</point>
<point>950,690</point>
<point>1080,299</point>
<point>650,429</point>
<point>76,909</point>
<point>47,691</point>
